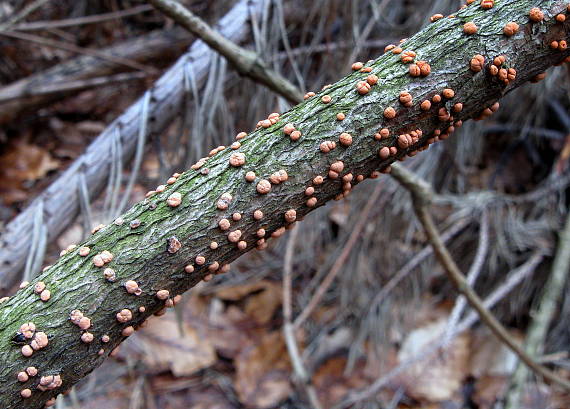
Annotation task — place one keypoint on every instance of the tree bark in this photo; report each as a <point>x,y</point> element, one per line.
<point>55,209</point>
<point>149,254</point>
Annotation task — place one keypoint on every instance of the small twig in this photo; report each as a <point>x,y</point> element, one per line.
<point>244,61</point>
<point>472,274</point>
<point>79,21</point>
<point>73,85</point>
<point>421,198</point>
<point>79,50</point>
<point>339,263</point>
<point>29,9</point>
<point>514,278</point>
<point>542,317</point>
<point>289,331</point>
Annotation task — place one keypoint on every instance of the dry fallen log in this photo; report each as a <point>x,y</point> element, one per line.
<point>235,200</point>
<point>51,212</point>
<point>26,95</point>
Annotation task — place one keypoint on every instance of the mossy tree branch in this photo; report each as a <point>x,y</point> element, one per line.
<point>148,253</point>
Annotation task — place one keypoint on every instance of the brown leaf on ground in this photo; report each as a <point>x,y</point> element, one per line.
<point>440,377</point>
<point>263,371</point>
<point>23,162</point>
<point>261,299</point>
<point>332,383</point>
<point>162,346</point>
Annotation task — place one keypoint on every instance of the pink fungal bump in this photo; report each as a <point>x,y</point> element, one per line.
<point>288,129</point>
<point>258,214</point>
<point>224,201</point>
<point>408,57</point>
<point>340,116</point>
<point>372,79</point>
<point>224,224</point>
<point>84,251</point>
<point>295,135</point>
<point>189,268</point>
<point>237,159</point>
<point>87,337</point>
<point>45,295</point>
<point>125,315</point>
<point>25,393</point>
<point>109,275</point>
<point>345,139</point>
<point>23,377</point>
<point>510,29</point>
<point>536,15</point>
<point>357,66</point>
<point>40,341</point>
<point>234,236</point>
<point>39,287</point>
<point>128,331</point>
<point>162,294</point>
<point>389,113</point>
<point>312,202</point>
<point>327,146</point>
<point>132,287</point>
<point>470,28</point>
<point>263,186</point>
<point>290,215</point>
<point>31,370</point>
<point>326,99</point>
<point>363,87</point>
<point>250,176</point>
<point>174,199</point>
<point>200,260</point>
<point>384,152</point>
<point>28,329</point>
<point>242,245</point>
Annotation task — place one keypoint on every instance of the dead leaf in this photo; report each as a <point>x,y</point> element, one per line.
<point>333,384</point>
<point>162,347</point>
<point>263,371</point>
<point>23,162</point>
<point>437,378</point>
<point>261,298</point>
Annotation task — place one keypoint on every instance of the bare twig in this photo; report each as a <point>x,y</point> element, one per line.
<point>244,61</point>
<point>542,317</point>
<point>80,50</point>
<point>301,373</point>
<point>79,21</point>
<point>515,277</point>
<point>472,275</point>
<point>421,198</point>
<point>22,14</point>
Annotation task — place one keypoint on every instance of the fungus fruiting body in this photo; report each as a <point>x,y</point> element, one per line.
<point>237,159</point>
<point>536,15</point>
<point>470,28</point>
<point>345,139</point>
<point>174,199</point>
<point>511,29</point>
<point>258,214</point>
<point>124,315</point>
<point>290,215</point>
<point>26,393</point>
<point>263,186</point>
<point>389,113</point>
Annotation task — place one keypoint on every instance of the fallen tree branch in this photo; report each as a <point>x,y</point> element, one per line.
<point>422,200</point>
<point>236,199</point>
<point>27,94</point>
<point>56,207</point>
